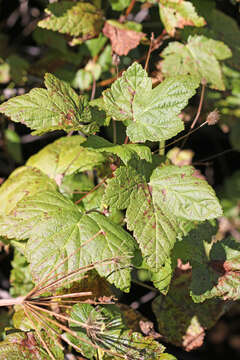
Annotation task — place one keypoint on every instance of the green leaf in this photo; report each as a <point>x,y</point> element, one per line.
<point>180,320</point>
<point>20,278</point>
<point>125,151</point>
<point>27,346</point>
<point>163,277</point>
<point>51,39</point>
<point>199,58</point>
<point>119,5</point>
<point>24,181</point>
<point>152,116</point>
<point>157,210</point>
<point>65,156</point>
<point>58,107</point>
<point>56,228</point>
<point>177,14</point>
<point>220,27</point>
<point>18,69</point>
<point>4,72</point>
<point>109,333</point>
<point>185,194</point>
<point>80,19</point>
<point>13,144</point>
<point>215,272</point>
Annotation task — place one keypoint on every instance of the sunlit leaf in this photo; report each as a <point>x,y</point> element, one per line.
<point>149,114</point>
<point>199,58</point>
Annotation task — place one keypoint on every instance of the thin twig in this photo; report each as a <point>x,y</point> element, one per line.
<point>197,115</point>
<point>93,189</point>
<point>149,51</point>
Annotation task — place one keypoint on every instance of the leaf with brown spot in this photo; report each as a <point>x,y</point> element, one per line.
<point>57,229</point>
<point>122,38</point>
<point>27,346</point>
<point>215,266</point>
<point>76,19</point>
<point>160,208</point>
<point>177,14</point>
<point>56,108</point>
<point>180,320</point>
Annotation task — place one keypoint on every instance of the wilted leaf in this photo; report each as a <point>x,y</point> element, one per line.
<point>58,107</point>
<point>149,114</point>
<point>157,209</point>
<point>125,151</point>
<point>56,228</point>
<point>199,58</point>
<point>180,320</point>
<point>177,14</point>
<point>65,156</point>
<point>23,182</point>
<point>76,19</point>
<point>122,38</point>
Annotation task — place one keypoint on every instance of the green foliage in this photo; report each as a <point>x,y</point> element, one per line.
<point>41,217</point>
<point>181,320</point>
<point>64,157</point>
<point>58,107</point>
<point>199,57</point>
<point>111,334</point>
<point>154,116</point>
<point>105,198</point>
<point>158,208</point>
<point>26,345</point>
<point>177,14</point>
<point>81,19</point>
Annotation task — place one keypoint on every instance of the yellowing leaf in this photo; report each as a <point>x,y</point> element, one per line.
<point>66,156</point>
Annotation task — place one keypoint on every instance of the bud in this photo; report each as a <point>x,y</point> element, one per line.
<point>213,117</point>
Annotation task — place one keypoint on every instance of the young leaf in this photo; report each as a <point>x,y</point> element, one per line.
<point>123,38</point>
<point>182,321</point>
<point>27,346</point>
<point>76,19</point>
<point>152,116</point>
<point>177,14</point>
<point>199,58</point>
<point>58,107</point>
<point>156,209</point>
<point>107,330</point>
<point>215,266</point>
<point>65,156</point>
<point>56,228</point>
<point>125,151</point>
<point>24,181</point>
